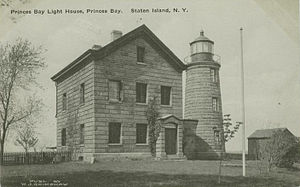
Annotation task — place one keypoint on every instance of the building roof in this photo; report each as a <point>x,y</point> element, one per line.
<point>142,31</point>
<point>266,133</point>
<point>168,116</point>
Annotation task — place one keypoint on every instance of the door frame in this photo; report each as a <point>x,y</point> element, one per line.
<point>171,126</point>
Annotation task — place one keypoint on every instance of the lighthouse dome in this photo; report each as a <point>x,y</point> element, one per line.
<point>201,38</point>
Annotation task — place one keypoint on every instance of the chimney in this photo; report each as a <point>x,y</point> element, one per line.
<point>115,34</point>
<point>96,47</point>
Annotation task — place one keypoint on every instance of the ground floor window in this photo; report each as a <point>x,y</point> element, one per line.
<point>141,133</point>
<point>217,136</point>
<point>114,133</point>
<point>63,137</point>
<point>81,134</point>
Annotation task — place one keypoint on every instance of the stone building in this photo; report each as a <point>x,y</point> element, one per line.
<point>203,98</point>
<point>103,95</point>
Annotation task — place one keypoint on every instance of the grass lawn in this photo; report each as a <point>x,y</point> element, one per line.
<point>145,173</point>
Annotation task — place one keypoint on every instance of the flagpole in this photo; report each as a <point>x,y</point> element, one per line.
<point>243,106</point>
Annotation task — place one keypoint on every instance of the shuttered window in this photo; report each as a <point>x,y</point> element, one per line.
<point>114,133</point>
<point>114,88</point>
<point>141,133</point>
<point>165,95</point>
<point>82,93</point>
<point>63,137</point>
<point>141,92</point>
<point>64,101</point>
<point>81,140</point>
<point>140,54</point>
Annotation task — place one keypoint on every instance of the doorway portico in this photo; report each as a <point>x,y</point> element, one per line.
<point>169,142</point>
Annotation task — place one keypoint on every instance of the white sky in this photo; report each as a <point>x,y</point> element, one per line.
<point>271,50</point>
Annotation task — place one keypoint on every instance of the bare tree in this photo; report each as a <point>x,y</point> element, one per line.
<point>272,151</point>
<point>229,131</point>
<point>20,63</point>
<point>27,137</point>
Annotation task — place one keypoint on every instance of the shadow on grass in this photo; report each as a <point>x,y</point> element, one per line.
<point>108,178</point>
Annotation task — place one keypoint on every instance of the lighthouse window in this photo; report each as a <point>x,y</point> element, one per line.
<point>214,75</point>
<point>194,49</point>
<point>210,48</point>
<point>205,47</point>
<point>215,106</point>
<point>165,92</point>
<point>217,136</point>
<point>199,47</point>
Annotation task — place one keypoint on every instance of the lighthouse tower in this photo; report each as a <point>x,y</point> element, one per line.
<point>203,98</point>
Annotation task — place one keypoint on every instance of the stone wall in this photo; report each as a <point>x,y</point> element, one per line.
<point>76,113</point>
<point>200,89</point>
<point>190,138</point>
<point>122,65</point>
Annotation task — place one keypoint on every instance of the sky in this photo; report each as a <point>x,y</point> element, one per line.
<point>271,49</point>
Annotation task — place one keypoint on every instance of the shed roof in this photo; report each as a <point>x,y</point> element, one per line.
<point>266,133</point>
<point>141,31</point>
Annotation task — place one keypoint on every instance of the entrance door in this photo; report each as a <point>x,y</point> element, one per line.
<point>170,141</point>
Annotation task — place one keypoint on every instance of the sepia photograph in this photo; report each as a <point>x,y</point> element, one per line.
<point>149,93</point>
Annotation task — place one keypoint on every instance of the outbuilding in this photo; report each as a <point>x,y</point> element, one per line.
<point>259,137</point>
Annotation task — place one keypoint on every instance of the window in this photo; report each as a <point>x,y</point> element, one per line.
<point>114,88</point>
<point>141,92</point>
<point>141,133</point>
<point>215,105</point>
<point>140,54</point>
<point>82,93</point>
<point>63,137</point>
<point>64,101</point>
<point>165,92</point>
<point>214,75</point>
<point>217,136</point>
<point>81,134</point>
<point>114,133</point>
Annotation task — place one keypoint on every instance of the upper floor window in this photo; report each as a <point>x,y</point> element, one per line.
<point>165,92</point>
<point>215,104</point>
<point>81,134</point>
<point>141,133</point>
<point>64,101</point>
<point>63,137</point>
<point>82,93</point>
<point>114,133</point>
<point>214,75</point>
<point>114,89</point>
<point>141,92</point>
<point>140,54</point>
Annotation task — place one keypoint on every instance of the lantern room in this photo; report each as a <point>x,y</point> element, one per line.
<point>202,48</point>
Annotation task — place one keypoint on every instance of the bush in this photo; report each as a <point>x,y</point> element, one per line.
<point>292,156</point>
